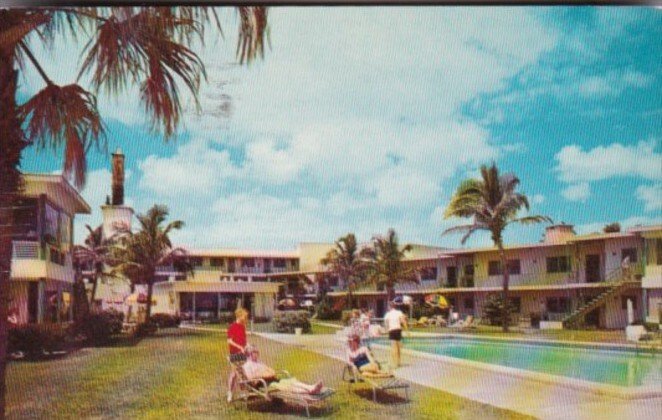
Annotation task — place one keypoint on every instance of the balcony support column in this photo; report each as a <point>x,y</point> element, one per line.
<point>40,301</point>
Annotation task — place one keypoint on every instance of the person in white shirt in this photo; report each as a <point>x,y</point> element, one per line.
<point>254,369</point>
<point>395,320</point>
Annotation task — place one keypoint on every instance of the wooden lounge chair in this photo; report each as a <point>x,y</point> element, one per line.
<point>352,375</point>
<point>251,389</point>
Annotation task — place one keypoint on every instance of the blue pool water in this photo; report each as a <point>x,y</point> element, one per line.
<point>627,368</point>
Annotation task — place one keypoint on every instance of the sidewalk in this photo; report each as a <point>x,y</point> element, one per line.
<point>543,400</point>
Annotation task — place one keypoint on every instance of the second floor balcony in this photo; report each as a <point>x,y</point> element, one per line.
<point>30,260</point>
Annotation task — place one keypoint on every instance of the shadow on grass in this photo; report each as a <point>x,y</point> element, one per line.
<point>277,406</point>
<point>383,397</point>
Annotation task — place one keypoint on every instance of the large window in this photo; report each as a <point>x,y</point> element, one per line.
<point>25,218</point>
<point>216,262</point>
<point>279,263</point>
<point>51,221</point>
<point>558,264</point>
<point>248,262</point>
<point>658,251</point>
<point>630,253</point>
<point>558,304</point>
<point>494,268</point>
<point>428,273</point>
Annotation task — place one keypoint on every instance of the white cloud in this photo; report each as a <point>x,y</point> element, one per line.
<point>612,83</point>
<point>577,192</point>
<point>651,195</point>
<point>614,160</point>
<point>537,199</point>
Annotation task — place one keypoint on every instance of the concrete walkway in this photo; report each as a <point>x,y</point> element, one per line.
<point>538,399</point>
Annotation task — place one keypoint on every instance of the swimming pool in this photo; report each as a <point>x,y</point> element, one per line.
<point>612,366</point>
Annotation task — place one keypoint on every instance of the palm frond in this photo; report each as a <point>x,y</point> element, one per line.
<point>252,30</point>
<point>529,220</point>
<point>67,115</point>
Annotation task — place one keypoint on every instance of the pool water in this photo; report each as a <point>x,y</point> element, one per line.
<point>615,367</point>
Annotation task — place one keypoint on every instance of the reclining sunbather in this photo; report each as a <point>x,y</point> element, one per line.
<point>361,358</point>
<point>254,369</point>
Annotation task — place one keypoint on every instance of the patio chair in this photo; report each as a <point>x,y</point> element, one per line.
<point>252,389</point>
<point>467,323</point>
<point>352,375</point>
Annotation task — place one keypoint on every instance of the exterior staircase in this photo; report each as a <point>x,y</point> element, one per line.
<point>618,283</point>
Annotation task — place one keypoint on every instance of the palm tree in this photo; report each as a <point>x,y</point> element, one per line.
<point>346,262</point>
<point>94,255</point>
<point>386,265</point>
<point>126,46</point>
<point>137,255</point>
<point>493,204</point>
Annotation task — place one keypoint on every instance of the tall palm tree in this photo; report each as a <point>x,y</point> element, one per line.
<point>137,255</point>
<point>346,262</point>
<point>146,47</point>
<point>386,263</point>
<point>94,255</point>
<point>492,203</point>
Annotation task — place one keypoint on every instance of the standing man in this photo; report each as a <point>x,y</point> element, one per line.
<point>237,345</point>
<point>395,320</point>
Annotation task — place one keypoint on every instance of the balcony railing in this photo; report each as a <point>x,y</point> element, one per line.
<point>25,250</point>
<point>30,250</point>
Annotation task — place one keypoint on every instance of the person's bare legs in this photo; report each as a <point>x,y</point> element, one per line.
<point>295,386</point>
<point>231,381</point>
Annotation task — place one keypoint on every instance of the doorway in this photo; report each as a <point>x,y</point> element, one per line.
<point>451,276</point>
<point>593,268</point>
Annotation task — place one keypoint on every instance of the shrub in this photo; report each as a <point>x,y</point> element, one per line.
<point>145,329</point>
<point>99,327</point>
<point>261,319</point>
<point>325,310</point>
<point>226,317</point>
<point>34,340</point>
<point>426,311</point>
<point>493,310</point>
<point>535,319</point>
<point>287,321</point>
<point>165,320</point>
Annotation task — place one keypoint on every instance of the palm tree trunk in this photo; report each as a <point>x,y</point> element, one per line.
<point>93,295</point>
<point>12,144</point>
<point>150,290</point>
<point>81,305</point>
<point>505,314</point>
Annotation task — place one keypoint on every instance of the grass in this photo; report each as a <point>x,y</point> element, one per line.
<point>183,373</point>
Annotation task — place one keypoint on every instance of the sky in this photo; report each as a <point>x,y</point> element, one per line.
<point>362,119</point>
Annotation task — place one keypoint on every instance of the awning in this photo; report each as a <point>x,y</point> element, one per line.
<point>219,286</point>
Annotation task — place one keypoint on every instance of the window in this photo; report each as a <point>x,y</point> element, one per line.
<point>279,263</point>
<point>494,268</point>
<point>51,224</point>
<point>630,253</point>
<point>624,302</point>
<point>65,229</point>
<point>469,303</point>
<point>216,262</point>
<point>558,305</point>
<point>248,262</point>
<point>558,264</point>
<point>428,273</point>
<point>516,302</point>
<point>658,251</point>
<point>469,270</point>
<point>196,261</point>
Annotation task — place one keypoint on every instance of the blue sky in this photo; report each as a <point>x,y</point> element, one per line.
<point>361,119</point>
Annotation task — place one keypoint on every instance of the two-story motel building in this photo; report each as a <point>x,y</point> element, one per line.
<point>42,274</point>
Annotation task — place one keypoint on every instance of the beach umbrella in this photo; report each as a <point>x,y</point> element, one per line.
<point>437,301</point>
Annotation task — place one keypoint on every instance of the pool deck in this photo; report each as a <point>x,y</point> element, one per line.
<point>524,395</point>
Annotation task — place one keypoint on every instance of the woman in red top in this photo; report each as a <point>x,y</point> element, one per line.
<point>237,344</point>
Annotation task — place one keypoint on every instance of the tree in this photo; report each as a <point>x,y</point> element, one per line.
<point>346,262</point>
<point>386,267</point>
<point>145,47</point>
<point>612,228</point>
<point>93,255</point>
<point>137,255</point>
<point>493,204</point>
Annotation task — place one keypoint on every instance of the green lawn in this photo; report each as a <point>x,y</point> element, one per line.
<point>183,373</point>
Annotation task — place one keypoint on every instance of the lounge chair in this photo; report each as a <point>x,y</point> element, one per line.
<point>467,323</point>
<point>352,375</point>
<point>251,389</point>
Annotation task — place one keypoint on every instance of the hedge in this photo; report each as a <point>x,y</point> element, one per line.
<point>287,321</point>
